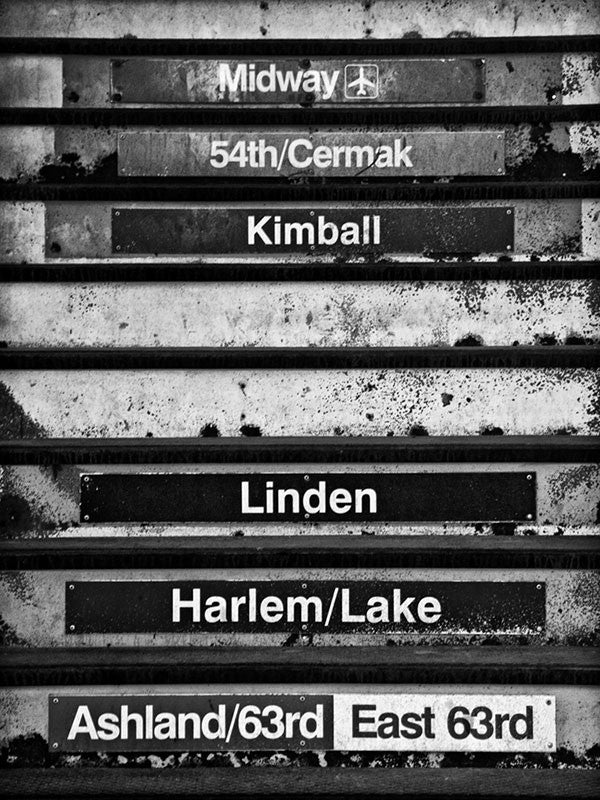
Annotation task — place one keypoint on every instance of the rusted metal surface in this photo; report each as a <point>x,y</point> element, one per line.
<point>196,19</point>
<point>299,81</point>
<point>390,153</point>
<point>298,314</point>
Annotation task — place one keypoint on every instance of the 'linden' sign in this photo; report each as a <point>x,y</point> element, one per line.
<point>321,497</point>
<point>401,722</point>
<point>304,81</point>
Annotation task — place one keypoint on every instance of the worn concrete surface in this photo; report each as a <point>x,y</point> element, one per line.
<point>25,714</point>
<point>387,314</point>
<point>512,79</point>
<point>71,232</point>
<point>251,19</point>
<point>358,402</point>
<point>44,502</point>
<point>33,609</point>
<point>31,81</point>
<point>554,151</point>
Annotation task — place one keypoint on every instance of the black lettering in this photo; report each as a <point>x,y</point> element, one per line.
<point>527,718</point>
<point>411,724</point>
<point>357,720</point>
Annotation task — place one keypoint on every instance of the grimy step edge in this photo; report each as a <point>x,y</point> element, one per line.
<point>319,783</point>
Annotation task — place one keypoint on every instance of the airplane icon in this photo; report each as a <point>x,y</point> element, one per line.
<point>361,81</point>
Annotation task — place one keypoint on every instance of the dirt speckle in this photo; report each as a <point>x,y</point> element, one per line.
<point>250,430</point>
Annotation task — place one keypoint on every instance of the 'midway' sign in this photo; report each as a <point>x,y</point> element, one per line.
<point>305,606</point>
<point>305,81</point>
<point>399,722</point>
<point>321,497</point>
<point>291,153</point>
<point>357,229</point>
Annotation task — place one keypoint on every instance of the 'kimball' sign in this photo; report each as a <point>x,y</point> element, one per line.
<point>400,722</point>
<point>310,606</point>
<point>304,81</point>
<point>339,153</point>
<point>321,497</point>
<point>327,230</point>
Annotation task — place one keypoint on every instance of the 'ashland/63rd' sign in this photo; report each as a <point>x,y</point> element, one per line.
<point>260,721</point>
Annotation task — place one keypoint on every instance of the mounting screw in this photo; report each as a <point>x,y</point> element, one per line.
<point>539,586</point>
<point>86,479</point>
<point>71,627</point>
<point>86,517</point>
<point>302,742</point>
<point>529,516</point>
<point>530,477</point>
<point>508,247</point>
<point>55,745</point>
<point>117,213</point>
<point>307,516</point>
<point>304,627</point>
<point>71,586</point>
<point>304,586</point>
<point>500,170</point>
<point>508,212</point>
<point>548,702</point>
<point>307,477</point>
<point>117,247</point>
<point>550,745</point>
<point>539,629</point>
<point>55,699</point>
<point>122,135</point>
<point>302,698</point>
<point>312,213</point>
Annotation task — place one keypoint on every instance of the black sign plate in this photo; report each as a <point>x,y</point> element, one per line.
<point>191,721</point>
<point>344,230</point>
<point>290,153</point>
<point>332,497</point>
<point>310,606</point>
<point>309,82</point>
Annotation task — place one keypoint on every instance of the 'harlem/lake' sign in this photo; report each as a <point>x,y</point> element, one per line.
<point>343,721</point>
<point>306,81</point>
<point>307,606</point>
<point>326,497</point>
